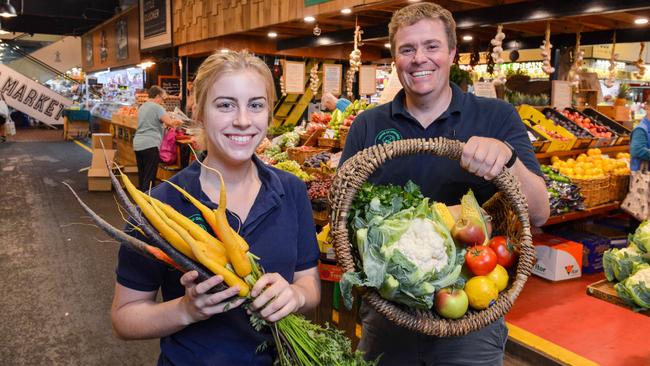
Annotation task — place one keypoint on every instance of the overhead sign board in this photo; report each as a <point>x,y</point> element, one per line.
<point>32,98</point>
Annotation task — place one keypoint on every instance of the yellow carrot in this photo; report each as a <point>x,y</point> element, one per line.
<point>195,230</point>
<point>219,223</point>
<point>165,231</point>
<point>209,254</point>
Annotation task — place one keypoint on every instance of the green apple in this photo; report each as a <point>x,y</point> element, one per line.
<point>451,303</point>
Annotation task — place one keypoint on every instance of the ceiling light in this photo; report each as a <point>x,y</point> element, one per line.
<point>272,34</point>
<point>224,50</point>
<point>387,45</point>
<point>346,11</point>
<point>467,37</point>
<point>6,10</point>
<point>310,19</point>
<point>146,64</point>
<point>414,1</point>
<point>641,21</point>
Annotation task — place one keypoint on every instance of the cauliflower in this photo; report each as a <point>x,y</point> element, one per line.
<point>423,246</point>
<point>635,290</point>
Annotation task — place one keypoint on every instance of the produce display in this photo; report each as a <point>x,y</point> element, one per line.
<point>293,168</point>
<point>318,160</point>
<point>592,165</point>
<point>564,196</point>
<point>319,187</point>
<point>630,268</point>
<point>587,123</point>
<point>559,119</point>
<point>552,134</point>
<point>416,253</point>
<point>183,245</point>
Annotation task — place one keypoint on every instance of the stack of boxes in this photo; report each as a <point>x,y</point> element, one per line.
<point>98,177</point>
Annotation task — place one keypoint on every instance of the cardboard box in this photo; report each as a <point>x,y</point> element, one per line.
<point>615,112</point>
<point>615,238</point>
<point>593,247</point>
<point>99,180</point>
<point>99,161</point>
<point>557,258</point>
<point>105,138</point>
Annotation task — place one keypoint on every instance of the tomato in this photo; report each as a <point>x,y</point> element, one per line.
<point>480,259</point>
<point>504,250</point>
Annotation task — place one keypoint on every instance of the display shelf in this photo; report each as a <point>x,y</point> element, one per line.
<point>604,150</point>
<point>604,290</point>
<point>576,215</point>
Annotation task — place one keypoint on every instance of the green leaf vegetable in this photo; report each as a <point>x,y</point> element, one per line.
<point>618,263</point>
<point>406,252</point>
<point>635,290</point>
<point>641,238</point>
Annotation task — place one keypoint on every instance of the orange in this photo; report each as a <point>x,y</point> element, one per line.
<point>481,292</point>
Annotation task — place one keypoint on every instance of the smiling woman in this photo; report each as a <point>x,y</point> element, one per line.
<point>269,208</point>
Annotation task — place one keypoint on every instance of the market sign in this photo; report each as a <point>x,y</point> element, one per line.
<point>32,98</point>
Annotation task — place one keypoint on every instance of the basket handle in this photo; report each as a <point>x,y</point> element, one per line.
<point>356,171</point>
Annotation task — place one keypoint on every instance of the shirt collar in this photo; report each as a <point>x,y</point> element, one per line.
<point>398,105</point>
<point>268,178</point>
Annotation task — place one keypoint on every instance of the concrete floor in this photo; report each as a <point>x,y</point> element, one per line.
<point>56,268</point>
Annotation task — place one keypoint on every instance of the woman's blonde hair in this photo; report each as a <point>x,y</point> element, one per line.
<point>219,64</point>
<point>412,14</point>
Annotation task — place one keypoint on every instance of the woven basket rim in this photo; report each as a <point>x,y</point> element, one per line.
<point>356,170</point>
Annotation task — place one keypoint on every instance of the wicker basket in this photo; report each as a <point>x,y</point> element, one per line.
<point>356,171</point>
<point>328,142</point>
<point>343,134</point>
<point>618,186</point>
<point>594,191</point>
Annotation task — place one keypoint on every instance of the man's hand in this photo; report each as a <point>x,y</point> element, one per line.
<point>484,156</point>
<point>275,298</point>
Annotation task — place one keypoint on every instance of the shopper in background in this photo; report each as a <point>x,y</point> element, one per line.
<point>330,102</point>
<point>423,44</point>
<point>640,141</point>
<point>234,99</point>
<point>152,120</point>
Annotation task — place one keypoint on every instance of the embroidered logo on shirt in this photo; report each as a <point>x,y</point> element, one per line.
<point>198,219</point>
<point>387,136</point>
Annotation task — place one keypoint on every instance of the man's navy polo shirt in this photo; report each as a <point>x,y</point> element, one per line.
<point>279,229</point>
<point>441,179</point>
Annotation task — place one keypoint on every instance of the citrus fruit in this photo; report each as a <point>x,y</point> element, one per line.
<point>481,292</point>
<point>499,276</point>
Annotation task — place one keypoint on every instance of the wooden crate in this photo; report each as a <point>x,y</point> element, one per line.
<point>604,290</point>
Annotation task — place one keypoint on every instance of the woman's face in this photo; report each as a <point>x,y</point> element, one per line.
<point>236,116</point>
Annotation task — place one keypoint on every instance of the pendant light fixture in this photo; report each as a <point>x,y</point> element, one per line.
<point>7,10</point>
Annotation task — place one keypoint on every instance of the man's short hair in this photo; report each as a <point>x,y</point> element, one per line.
<point>155,91</point>
<point>412,14</point>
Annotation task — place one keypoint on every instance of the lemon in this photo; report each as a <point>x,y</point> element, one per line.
<point>499,276</point>
<point>481,292</point>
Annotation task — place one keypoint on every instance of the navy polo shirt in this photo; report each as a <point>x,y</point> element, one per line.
<point>441,179</point>
<point>279,229</point>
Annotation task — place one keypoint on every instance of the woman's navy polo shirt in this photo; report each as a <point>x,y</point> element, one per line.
<point>441,179</point>
<point>279,229</point>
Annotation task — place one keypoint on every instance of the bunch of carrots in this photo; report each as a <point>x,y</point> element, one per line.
<point>186,246</point>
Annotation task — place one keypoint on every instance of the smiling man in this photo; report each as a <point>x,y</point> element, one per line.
<point>423,44</point>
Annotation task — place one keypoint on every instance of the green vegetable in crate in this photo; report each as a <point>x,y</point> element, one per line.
<point>641,237</point>
<point>406,252</point>
<point>618,264</point>
<point>293,168</point>
<point>635,290</point>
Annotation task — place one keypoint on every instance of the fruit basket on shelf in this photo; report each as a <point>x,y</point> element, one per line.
<point>349,180</point>
<point>623,132</point>
<point>343,134</point>
<point>539,142</point>
<point>302,153</point>
<point>582,133</point>
<point>593,190</point>
<point>618,186</point>
<point>328,142</point>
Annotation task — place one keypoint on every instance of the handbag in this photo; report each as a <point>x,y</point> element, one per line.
<point>167,151</point>
<point>637,201</point>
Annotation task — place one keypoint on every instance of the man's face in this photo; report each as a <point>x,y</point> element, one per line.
<point>423,58</point>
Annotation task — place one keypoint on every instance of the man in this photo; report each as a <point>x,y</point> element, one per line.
<point>149,134</point>
<point>330,102</point>
<point>423,44</point>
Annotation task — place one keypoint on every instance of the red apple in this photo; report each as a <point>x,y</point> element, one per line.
<point>451,303</point>
<point>467,233</point>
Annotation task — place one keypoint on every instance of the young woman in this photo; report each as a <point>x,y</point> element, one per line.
<point>234,98</point>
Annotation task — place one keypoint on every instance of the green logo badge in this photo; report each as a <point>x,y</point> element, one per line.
<point>198,219</point>
<point>387,136</point>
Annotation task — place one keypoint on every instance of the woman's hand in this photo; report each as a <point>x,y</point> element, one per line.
<point>275,298</point>
<point>199,305</point>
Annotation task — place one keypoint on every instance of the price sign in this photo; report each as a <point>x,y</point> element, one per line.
<point>294,73</point>
<point>485,89</point>
<point>368,80</point>
<point>561,94</point>
<point>332,78</point>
